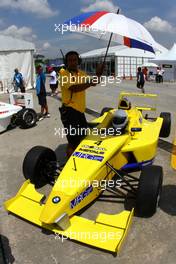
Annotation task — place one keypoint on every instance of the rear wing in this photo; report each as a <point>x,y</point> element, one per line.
<point>125,102</point>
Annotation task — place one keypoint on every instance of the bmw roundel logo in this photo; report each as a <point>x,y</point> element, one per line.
<point>56,199</point>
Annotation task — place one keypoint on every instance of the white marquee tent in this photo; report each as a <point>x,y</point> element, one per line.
<point>16,53</point>
<point>168,62</point>
<point>126,60</point>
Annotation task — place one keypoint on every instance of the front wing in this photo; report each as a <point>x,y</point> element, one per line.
<point>107,232</point>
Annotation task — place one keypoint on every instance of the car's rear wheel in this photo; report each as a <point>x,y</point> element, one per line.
<point>166,125</point>
<point>26,118</point>
<point>149,190</point>
<point>38,165</point>
<point>105,109</point>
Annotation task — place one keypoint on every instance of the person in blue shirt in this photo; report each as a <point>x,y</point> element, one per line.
<point>41,92</point>
<point>18,81</point>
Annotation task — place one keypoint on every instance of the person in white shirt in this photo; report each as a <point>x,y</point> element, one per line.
<point>160,73</point>
<point>53,81</point>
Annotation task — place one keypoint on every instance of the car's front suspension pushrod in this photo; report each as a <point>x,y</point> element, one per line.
<point>121,177</point>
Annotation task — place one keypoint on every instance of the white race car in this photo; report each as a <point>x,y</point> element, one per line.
<point>13,115</point>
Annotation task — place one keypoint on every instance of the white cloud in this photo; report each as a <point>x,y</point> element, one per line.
<point>24,33</point>
<point>100,5</point>
<point>159,25</point>
<point>46,45</point>
<point>41,8</point>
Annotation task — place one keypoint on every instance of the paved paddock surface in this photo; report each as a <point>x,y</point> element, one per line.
<point>149,241</point>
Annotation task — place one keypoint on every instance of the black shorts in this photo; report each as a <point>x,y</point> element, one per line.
<point>140,85</point>
<point>53,87</point>
<point>42,100</point>
<point>75,124</point>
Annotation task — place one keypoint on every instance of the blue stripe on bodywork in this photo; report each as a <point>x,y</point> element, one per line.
<point>87,156</point>
<point>137,165</point>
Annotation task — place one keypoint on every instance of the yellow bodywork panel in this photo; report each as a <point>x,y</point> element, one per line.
<point>173,155</point>
<point>138,95</point>
<point>143,144</point>
<point>106,232</point>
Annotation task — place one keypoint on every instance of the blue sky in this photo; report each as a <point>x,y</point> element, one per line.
<point>34,20</point>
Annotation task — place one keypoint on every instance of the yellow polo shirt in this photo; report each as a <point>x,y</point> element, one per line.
<point>69,98</point>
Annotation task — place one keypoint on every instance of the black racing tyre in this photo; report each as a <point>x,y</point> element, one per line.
<point>105,109</point>
<point>36,165</point>
<point>12,122</point>
<point>149,190</point>
<point>166,126</point>
<point>26,118</point>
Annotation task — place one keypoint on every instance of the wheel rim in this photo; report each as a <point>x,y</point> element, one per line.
<point>44,172</point>
<point>29,119</point>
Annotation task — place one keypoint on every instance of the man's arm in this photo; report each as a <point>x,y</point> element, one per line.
<point>80,87</point>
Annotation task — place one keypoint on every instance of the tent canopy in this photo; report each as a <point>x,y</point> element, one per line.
<point>121,50</point>
<point>169,56</point>
<point>8,43</point>
<point>16,53</point>
<point>168,61</point>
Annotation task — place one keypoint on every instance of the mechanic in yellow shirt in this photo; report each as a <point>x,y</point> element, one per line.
<point>73,83</point>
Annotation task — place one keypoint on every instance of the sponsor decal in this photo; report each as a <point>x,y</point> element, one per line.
<point>87,156</point>
<point>94,147</point>
<point>81,197</point>
<point>136,129</point>
<point>92,151</point>
<point>56,199</point>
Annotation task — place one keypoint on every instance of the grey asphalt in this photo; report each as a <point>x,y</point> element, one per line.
<point>149,241</point>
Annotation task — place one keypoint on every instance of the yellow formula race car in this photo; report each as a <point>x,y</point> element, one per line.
<point>119,141</point>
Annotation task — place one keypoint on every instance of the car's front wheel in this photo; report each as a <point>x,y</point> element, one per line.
<point>38,165</point>
<point>149,190</point>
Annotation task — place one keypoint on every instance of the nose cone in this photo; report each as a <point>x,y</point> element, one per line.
<point>56,205</point>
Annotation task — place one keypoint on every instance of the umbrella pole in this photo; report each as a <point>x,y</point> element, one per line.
<point>109,42</point>
<point>107,49</point>
<point>62,55</point>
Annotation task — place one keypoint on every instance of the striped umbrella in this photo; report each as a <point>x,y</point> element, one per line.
<point>102,24</point>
